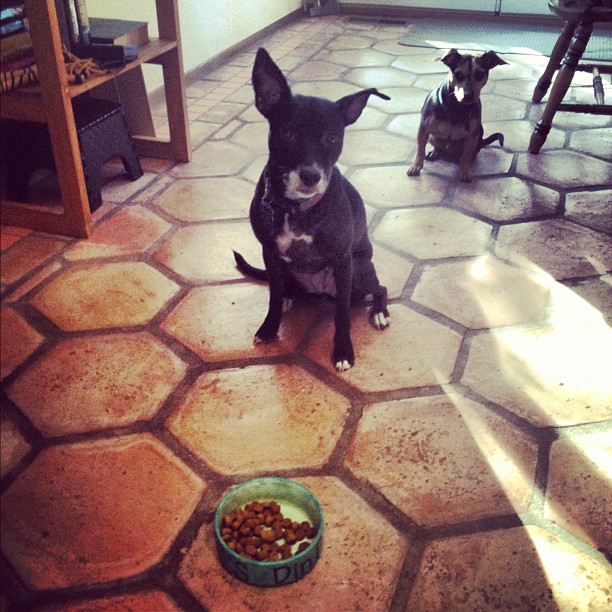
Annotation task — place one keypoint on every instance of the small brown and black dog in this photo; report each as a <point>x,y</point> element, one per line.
<point>451,115</point>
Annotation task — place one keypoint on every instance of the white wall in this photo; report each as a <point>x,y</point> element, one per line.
<point>208,27</point>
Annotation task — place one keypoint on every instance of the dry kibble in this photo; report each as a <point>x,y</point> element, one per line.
<point>260,531</point>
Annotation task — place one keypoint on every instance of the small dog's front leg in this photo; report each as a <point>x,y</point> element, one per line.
<point>417,164</point>
<point>268,331</point>
<point>343,354</point>
<point>467,158</point>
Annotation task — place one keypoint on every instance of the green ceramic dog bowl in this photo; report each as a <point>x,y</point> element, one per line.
<point>297,503</point>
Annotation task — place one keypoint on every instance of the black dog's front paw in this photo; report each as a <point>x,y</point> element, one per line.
<point>344,357</point>
<point>266,334</point>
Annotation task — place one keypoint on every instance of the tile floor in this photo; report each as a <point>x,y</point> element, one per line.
<point>464,462</point>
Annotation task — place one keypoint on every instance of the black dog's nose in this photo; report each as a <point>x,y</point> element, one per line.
<point>309,176</point>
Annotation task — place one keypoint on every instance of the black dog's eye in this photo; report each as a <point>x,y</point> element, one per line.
<point>460,76</point>
<point>329,139</point>
<point>479,75</point>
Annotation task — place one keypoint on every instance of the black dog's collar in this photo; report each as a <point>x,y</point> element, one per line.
<point>291,206</point>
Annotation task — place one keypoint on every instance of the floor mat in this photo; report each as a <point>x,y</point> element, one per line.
<point>501,38</point>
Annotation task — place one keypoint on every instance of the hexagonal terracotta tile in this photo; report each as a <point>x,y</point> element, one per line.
<point>564,169</point>
<point>207,199</point>
<point>590,208</point>
<point>563,249</point>
<point>203,253</point>
<point>226,428</point>
<point>360,59</point>
<point>482,293</point>
<point>595,141</point>
<point>433,233</point>
<point>494,107</point>
<point>424,62</point>
<point>552,376</point>
<point>13,446</point>
<point>27,254</point>
<point>523,568</point>
<point>428,351</point>
<point>388,186</point>
<point>505,199</point>
<point>392,270</point>
<point>215,158</point>
<point>130,232</point>
<point>349,41</point>
<point>316,70</point>
<point>332,90</point>
<point>367,147</point>
<point>18,340</point>
<point>341,580</point>
<point>219,323</point>
<point>82,384</point>
<point>422,455</point>
<point>517,133</point>
<point>96,511</point>
<point>379,77</point>
<point>100,296</point>
<point>403,100</point>
<point>254,137</point>
<point>578,493</point>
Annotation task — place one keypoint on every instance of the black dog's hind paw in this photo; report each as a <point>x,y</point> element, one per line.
<point>379,313</point>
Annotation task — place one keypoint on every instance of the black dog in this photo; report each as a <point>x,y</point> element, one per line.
<point>310,220</point>
<point>451,115</point>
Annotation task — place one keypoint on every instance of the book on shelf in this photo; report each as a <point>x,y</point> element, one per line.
<point>15,44</point>
<point>18,62</point>
<point>118,31</point>
<point>12,26</point>
<point>12,10</point>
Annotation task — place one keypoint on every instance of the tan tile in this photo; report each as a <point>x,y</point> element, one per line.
<point>225,417</point>
<point>203,253</point>
<point>253,137</point>
<point>422,454</point>
<point>506,199</point>
<point>207,199</point>
<point>349,41</point>
<point>578,493</point>
<point>389,187</point>
<point>496,107</point>
<point>340,580</point>
<point>130,232</point>
<point>393,271</point>
<point>145,601</point>
<point>380,77</point>
<point>91,512</point>
<point>10,234</point>
<point>554,376</point>
<point>393,48</point>
<point>27,254</point>
<point>101,296</point>
<point>564,169</point>
<point>13,446</point>
<point>219,323</point>
<point>18,340</point>
<point>33,281</point>
<point>424,62</point>
<point>367,147</point>
<point>598,293</point>
<point>482,293</point>
<point>517,134</point>
<point>433,233</point>
<point>316,71</point>
<point>524,568</point>
<point>559,247</point>
<point>331,90</point>
<point>122,187</point>
<point>353,58</point>
<point>403,100</point>
<point>414,351</point>
<point>82,384</point>
<point>213,159</point>
<point>591,208</point>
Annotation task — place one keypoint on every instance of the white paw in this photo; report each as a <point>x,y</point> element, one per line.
<point>343,366</point>
<point>380,321</point>
<point>287,304</point>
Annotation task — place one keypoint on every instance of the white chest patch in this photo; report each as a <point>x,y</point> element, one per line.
<point>287,237</point>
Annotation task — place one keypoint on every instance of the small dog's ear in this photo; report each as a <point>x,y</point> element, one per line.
<point>352,106</point>
<point>270,85</point>
<point>490,59</point>
<point>451,59</point>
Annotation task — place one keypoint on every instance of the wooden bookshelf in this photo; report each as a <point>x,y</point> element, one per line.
<point>50,103</point>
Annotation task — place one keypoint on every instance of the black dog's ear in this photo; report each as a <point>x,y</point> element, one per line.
<point>490,59</point>
<point>451,59</point>
<point>352,106</point>
<point>270,85</point>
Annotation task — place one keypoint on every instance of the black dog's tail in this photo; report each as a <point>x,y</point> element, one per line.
<point>492,138</point>
<point>246,268</point>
